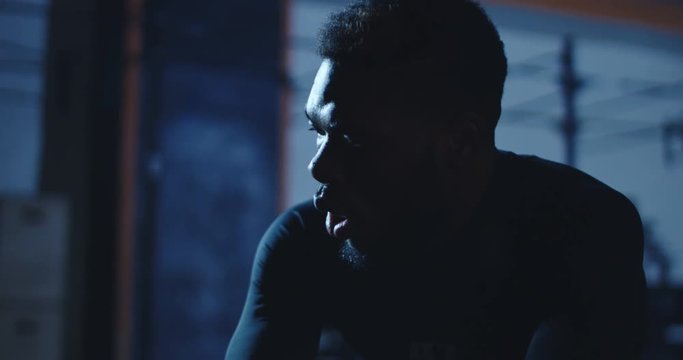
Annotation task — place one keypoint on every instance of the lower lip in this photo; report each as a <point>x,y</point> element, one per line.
<point>338,229</point>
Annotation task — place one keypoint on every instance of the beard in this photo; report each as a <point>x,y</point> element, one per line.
<point>353,257</point>
<point>401,222</point>
<point>400,247</point>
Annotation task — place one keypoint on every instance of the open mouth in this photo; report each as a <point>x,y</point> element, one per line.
<point>337,226</point>
<point>336,222</point>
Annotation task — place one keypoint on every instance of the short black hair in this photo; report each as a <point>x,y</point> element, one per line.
<point>376,34</point>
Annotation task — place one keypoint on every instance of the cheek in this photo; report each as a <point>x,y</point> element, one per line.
<point>396,180</point>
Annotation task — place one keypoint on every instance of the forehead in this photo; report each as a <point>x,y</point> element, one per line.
<point>347,96</point>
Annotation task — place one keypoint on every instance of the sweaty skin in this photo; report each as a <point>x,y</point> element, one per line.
<point>549,267</point>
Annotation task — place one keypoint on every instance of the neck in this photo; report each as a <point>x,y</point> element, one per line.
<point>473,182</point>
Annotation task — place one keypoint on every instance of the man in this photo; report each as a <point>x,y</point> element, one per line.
<point>425,241</point>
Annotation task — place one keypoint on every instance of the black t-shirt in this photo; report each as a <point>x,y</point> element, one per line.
<point>550,267</point>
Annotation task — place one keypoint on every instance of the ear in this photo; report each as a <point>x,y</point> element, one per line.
<point>470,134</point>
<point>461,140</point>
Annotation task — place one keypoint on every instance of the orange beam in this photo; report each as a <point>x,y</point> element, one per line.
<point>284,102</point>
<point>658,15</point>
<point>132,50</point>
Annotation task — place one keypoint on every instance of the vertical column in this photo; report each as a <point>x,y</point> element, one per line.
<point>570,85</point>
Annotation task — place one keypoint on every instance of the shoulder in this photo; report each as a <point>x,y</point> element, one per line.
<point>543,174</point>
<point>560,182</point>
<point>297,231</point>
<point>298,219</point>
<point>571,196</point>
<point>293,245</point>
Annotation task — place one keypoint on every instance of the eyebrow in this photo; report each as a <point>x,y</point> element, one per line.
<point>315,121</point>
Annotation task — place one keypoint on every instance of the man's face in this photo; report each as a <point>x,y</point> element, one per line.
<point>374,159</point>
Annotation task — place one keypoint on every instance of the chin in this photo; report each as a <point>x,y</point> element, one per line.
<point>350,254</point>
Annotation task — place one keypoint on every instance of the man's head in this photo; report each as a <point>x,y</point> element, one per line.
<point>405,105</point>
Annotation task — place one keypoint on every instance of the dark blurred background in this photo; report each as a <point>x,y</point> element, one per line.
<point>145,145</point>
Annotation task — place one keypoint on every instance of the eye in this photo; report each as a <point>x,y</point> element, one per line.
<point>314,128</point>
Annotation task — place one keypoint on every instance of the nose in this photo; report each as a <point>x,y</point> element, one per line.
<point>326,166</point>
